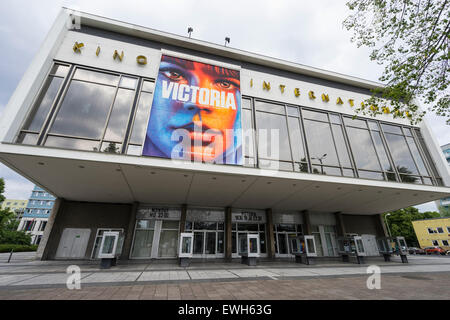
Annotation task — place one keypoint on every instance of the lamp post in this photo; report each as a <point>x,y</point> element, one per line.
<point>387,224</point>
<point>321,160</point>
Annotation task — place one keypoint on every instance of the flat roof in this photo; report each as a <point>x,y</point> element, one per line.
<point>125,28</point>
<point>440,218</point>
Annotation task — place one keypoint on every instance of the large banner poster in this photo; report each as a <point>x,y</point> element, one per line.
<point>196,113</point>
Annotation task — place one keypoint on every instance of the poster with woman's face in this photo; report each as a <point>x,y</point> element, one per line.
<point>196,113</point>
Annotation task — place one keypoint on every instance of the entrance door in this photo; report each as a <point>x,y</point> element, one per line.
<point>73,244</point>
<point>156,239</point>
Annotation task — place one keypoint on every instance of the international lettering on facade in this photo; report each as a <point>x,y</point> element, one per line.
<point>248,216</point>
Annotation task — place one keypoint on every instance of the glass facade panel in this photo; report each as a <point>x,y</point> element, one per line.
<point>355,123</point>
<point>28,138</point>
<point>308,114</point>
<point>43,104</point>
<point>371,175</point>
<point>267,148</point>
<point>120,115</point>
<point>341,147</point>
<point>400,153</point>
<point>298,150</point>
<point>246,104</point>
<point>417,157</point>
<point>248,134</point>
<point>84,110</point>
<point>387,128</point>
<point>74,144</point>
<point>141,119</point>
<point>379,146</point>
<point>60,70</point>
<point>293,112</point>
<point>363,149</point>
<point>269,107</point>
<point>320,143</point>
<point>98,77</point>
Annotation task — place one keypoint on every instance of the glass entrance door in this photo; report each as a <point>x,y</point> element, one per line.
<point>155,239</point>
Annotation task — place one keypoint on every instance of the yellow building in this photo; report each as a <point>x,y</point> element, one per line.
<point>433,232</point>
<point>16,206</point>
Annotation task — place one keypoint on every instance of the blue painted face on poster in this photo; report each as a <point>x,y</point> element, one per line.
<point>196,113</point>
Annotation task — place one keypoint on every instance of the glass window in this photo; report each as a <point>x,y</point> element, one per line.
<point>28,138</point>
<point>320,143</point>
<point>141,119</point>
<point>307,114</point>
<point>330,171</point>
<point>246,104</point>
<point>296,140</point>
<point>148,86</point>
<point>69,143</point>
<point>269,107</point>
<point>355,123</point>
<point>43,104</point>
<point>267,148</point>
<point>98,77</point>
<point>400,153</point>
<point>391,129</point>
<point>379,146</point>
<point>146,224</point>
<point>247,227</point>
<point>334,118</point>
<point>59,70</point>
<point>440,230</point>
<point>248,139</point>
<point>205,225</point>
<point>415,152</point>
<point>84,110</point>
<point>167,224</point>
<point>363,149</point>
<point>286,228</point>
<point>341,146</point>
<point>120,114</point>
<point>129,83</point>
<point>293,112</point>
<point>371,175</point>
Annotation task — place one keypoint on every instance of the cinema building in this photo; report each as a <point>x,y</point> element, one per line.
<point>92,119</point>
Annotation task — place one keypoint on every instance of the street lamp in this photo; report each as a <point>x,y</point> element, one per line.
<point>387,224</point>
<point>321,160</point>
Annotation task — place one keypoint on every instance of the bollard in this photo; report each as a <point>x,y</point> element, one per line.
<point>10,255</point>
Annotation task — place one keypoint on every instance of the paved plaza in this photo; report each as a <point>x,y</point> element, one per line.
<point>423,278</point>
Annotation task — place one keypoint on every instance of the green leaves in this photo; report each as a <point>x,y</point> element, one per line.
<point>411,38</point>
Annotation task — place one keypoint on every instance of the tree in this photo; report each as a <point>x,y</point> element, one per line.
<point>400,223</point>
<point>9,224</point>
<point>411,39</point>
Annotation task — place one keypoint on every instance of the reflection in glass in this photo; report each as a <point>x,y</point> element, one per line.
<point>267,148</point>
<point>282,246</point>
<point>141,119</point>
<point>168,244</point>
<point>198,242</point>
<point>385,163</point>
<point>296,140</point>
<point>341,146</point>
<point>400,153</point>
<point>415,152</point>
<point>99,77</point>
<point>84,110</point>
<point>120,114</point>
<point>320,143</point>
<point>43,104</point>
<point>248,133</point>
<point>210,243</point>
<point>269,107</point>
<point>143,241</point>
<point>363,149</point>
<point>69,143</point>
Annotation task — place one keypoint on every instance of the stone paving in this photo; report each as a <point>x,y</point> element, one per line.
<point>422,278</point>
<point>429,287</point>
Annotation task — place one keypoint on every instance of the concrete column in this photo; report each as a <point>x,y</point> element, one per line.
<point>340,224</point>
<point>183,218</point>
<point>228,235</point>
<point>381,225</point>
<point>307,222</point>
<point>270,237</point>
<point>43,249</point>
<point>129,233</point>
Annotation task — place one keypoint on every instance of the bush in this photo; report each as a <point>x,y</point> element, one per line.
<point>17,248</point>
<point>14,237</point>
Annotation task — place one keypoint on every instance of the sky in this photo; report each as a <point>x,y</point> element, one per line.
<point>309,33</point>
